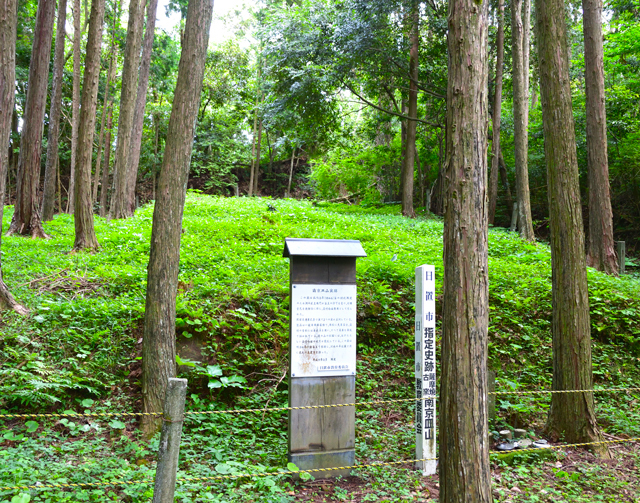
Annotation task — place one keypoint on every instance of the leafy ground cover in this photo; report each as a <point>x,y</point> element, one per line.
<point>80,351</point>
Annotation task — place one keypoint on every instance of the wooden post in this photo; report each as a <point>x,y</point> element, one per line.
<point>621,256</point>
<point>322,352</point>
<point>173,417</point>
<point>514,218</point>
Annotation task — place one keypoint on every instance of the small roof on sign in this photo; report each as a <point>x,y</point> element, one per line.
<point>322,248</point>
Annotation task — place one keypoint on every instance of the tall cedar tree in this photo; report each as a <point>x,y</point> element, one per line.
<point>159,342</point>
<point>412,113</point>
<point>83,214</point>
<point>601,253</point>
<point>465,476</point>
<point>497,109</point>
<point>105,173</point>
<point>572,414</point>
<point>49,192</point>
<point>119,202</point>
<point>521,117</point>
<point>106,103</point>
<point>103,123</point>
<point>8,14</point>
<point>141,100</point>
<point>26,216</point>
<point>75,100</point>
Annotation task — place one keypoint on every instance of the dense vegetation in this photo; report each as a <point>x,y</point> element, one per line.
<point>81,351</point>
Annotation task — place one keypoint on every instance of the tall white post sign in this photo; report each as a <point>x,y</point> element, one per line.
<point>425,341</point>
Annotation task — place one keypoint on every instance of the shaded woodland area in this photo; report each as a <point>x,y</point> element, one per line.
<point>475,115</point>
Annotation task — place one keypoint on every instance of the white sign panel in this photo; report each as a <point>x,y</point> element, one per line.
<point>323,330</point>
<point>425,340</point>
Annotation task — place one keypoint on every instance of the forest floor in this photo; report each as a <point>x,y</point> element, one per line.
<point>80,351</point>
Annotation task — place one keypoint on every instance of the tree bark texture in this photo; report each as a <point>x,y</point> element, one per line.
<point>256,167</point>
<point>572,414</point>
<point>75,101</point>
<point>119,198</point>
<point>103,124</point>
<point>601,252</point>
<point>8,16</point>
<point>520,120</point>
<point>83,215</point>
<point>497,109</point>
<point>26,216</point>
<point>465,476</point>
<point>410,145</point>
<point>105,172</point>
<point>49,192</point>
<point>158,347</point>
<point>141,100</point>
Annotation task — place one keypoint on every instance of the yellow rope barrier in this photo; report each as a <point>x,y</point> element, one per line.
<point>566,446</point>
<point>291,472</point>
<point>275,409</point>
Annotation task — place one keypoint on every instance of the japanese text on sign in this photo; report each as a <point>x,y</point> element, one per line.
<point>323,330</point>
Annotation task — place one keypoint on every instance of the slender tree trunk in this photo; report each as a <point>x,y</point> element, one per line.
<point>15,150</point>
<point>158,347</point>
<point>253,151</point>
<point>49,193</point>
<point>8,15</point>
<point>103,123</point>
<point>601,253</point>
<point>26,216</point>
<point>293,156</point>
<point>119,198</point>
<point>505,181</point>
<point>141,100</point>
<point>104,186</point>
<point>257,164</point>
<point>520,120</point>
<point>497,109</point>
<point>437,191</point>
<point>410,150</point>
<point>75,101</point>
<point>83,215</point>
<point>59,185</point>
<point>572,414</point>
<point>465,475</point>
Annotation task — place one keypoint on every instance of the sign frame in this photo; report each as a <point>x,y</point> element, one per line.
<point>425,369</point>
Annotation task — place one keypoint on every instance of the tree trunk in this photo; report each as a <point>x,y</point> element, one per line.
<point>257,164</point>
<point>293,156</point>
<point>436,197</point>
<point>601,253</point>
<point>26,217</point>
<point>158,348</point>
<point>253,151</point>
<point>497,109</point>
<point>465,475</point>
<point>103,123</point>
<point>571,415</point>
<point>49,193</point>
<point>83,215</point>
<point>505,181</point>
<point>520,120</point>
<point>105,173</point>
<point>410,146</point>
<point>141,100</point>
<point>75,102</point>
<point>8,14</point>
<point>119,198</point>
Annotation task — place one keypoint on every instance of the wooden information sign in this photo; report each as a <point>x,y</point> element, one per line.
<point>322,346</point>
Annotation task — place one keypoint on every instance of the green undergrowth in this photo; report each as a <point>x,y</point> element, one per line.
<point>82,344</point>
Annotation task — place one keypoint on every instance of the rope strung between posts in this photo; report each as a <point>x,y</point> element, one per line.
<point>304,407</point>
<point>291,472</point>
